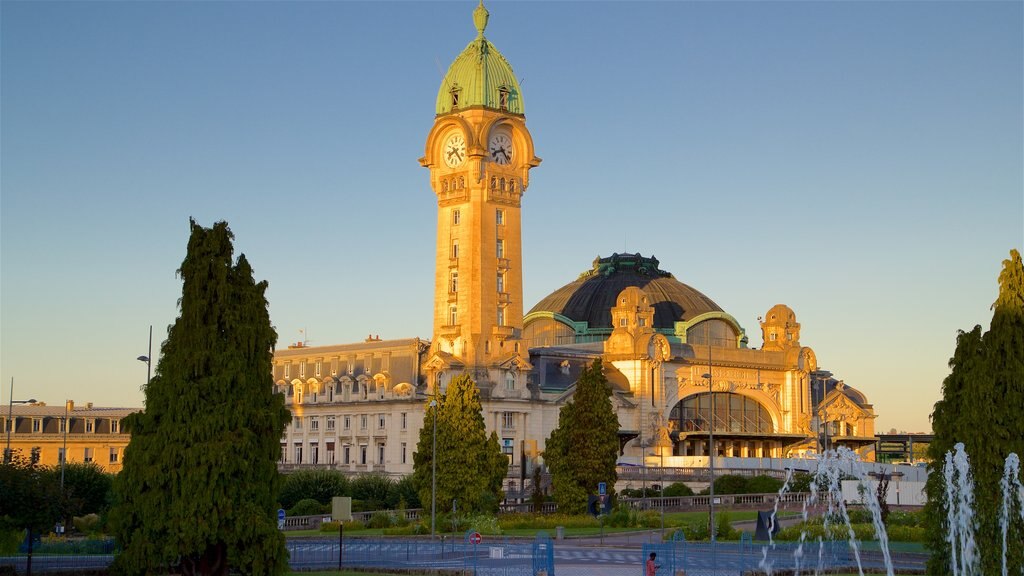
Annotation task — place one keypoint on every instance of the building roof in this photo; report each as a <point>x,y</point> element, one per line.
<point>591,297</point>
<point>480,74</point>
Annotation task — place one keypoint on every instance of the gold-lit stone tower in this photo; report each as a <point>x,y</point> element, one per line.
<point>479,153</point>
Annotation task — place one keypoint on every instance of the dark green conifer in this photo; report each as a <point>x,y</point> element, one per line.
<point>199,486</point>
<point>583,449</point>
<point>981,406</point>
<point>470,465</point>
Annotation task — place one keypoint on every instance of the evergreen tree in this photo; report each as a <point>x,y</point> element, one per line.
<point>470,465</point>
<point>582,450</point>
<point>981,407</point>
<point>199,484</point>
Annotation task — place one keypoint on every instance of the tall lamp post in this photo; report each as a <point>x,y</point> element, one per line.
<point>10,421</point>
<point>433,472</point>
<point>711,456</point>
<point>148,358</point>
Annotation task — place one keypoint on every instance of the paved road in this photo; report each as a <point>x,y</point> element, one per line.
<point>621,555</point>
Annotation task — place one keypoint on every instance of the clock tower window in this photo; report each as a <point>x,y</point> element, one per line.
<point>456,217</point>
<point>499,216</point>
<point>500,250</point>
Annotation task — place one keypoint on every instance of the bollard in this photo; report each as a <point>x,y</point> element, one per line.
<point>559,532</point>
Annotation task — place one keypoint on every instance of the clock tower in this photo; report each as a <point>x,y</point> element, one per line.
<point>479,153</point>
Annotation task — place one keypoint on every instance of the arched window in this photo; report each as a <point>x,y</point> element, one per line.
<point>733,413</point>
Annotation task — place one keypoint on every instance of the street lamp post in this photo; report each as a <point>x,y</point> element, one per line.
<point>433,472</point>
<point>711,456</point>
<point>10,421</point>
<point>148,358</point>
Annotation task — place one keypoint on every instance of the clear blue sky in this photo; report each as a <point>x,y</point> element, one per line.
<point>858,161</point>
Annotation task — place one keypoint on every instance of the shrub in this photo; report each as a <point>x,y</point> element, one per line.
<point>319,485</point>
<point>484,524</point>
<point>901,533</point>
<point>86,524</point>
<point>723,529</point>
<point>731,484</point>
<point>546,521</point>
<point>763,485</point>
<point>332,526</point>
<point>381,520</point>
<point>621,517</point>
<point>800,482</point>
<point>678,489</point>
<point>698,531</point>
<point>373,490</point>
<point>306,507</point>
<point>648,519</point>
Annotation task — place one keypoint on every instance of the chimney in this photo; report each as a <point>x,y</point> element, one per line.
<point>70,405</point>
<point>88,405</point>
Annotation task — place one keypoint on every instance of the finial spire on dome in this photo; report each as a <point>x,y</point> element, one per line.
<point>480,16</point>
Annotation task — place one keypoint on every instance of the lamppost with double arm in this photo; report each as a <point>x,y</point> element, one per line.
<point>10,420</point>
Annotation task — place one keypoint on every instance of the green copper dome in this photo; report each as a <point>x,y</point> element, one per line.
<point>480,76</point>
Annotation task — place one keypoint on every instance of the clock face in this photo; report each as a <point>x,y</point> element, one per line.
<point>455,150</point>
<point>501,148</point>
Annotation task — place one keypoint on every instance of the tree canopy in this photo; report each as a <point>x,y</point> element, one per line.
<point>198,489</point>
<point>29,496</point>
<point>470,465</point>
<point>584,447</point>
<point>981,406</point>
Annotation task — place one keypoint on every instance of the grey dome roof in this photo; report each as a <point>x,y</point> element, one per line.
<point>591,297</point>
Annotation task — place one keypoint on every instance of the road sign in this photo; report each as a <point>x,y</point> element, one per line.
<point>602,488</point>
<point>475,538</point>
<point>280,518</point>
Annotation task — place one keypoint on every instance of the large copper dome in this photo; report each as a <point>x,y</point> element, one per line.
<point>591,297</point>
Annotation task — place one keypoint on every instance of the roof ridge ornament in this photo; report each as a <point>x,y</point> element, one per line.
<point>480,16</point>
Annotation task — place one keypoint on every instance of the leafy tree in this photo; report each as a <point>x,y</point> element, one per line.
<point>981,407</point>
<point>319,485</point>
<point>29,497</point>
<point>199,484</point>
<point>87,488</point>
<point>583,448</point>
<point>404,491</point>
<point>470,465</point>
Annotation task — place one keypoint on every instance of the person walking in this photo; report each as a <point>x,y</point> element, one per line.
<point>652,568</point>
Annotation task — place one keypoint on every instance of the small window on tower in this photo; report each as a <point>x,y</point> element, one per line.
<point>455,254</point>
<point>501,248</point>
<point>622,322</point>
<point>454,281</point>
<point>772,336</point>
<point>499,216</point>
<point>453,316</point>
<point>501,316</point>
<point>455,98</point>
<point>643,322</point>
<point>456,217</point>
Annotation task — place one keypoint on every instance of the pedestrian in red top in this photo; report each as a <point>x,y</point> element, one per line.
<point>652,568</point>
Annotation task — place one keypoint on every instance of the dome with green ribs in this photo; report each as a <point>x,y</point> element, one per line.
<point>480,76</point>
